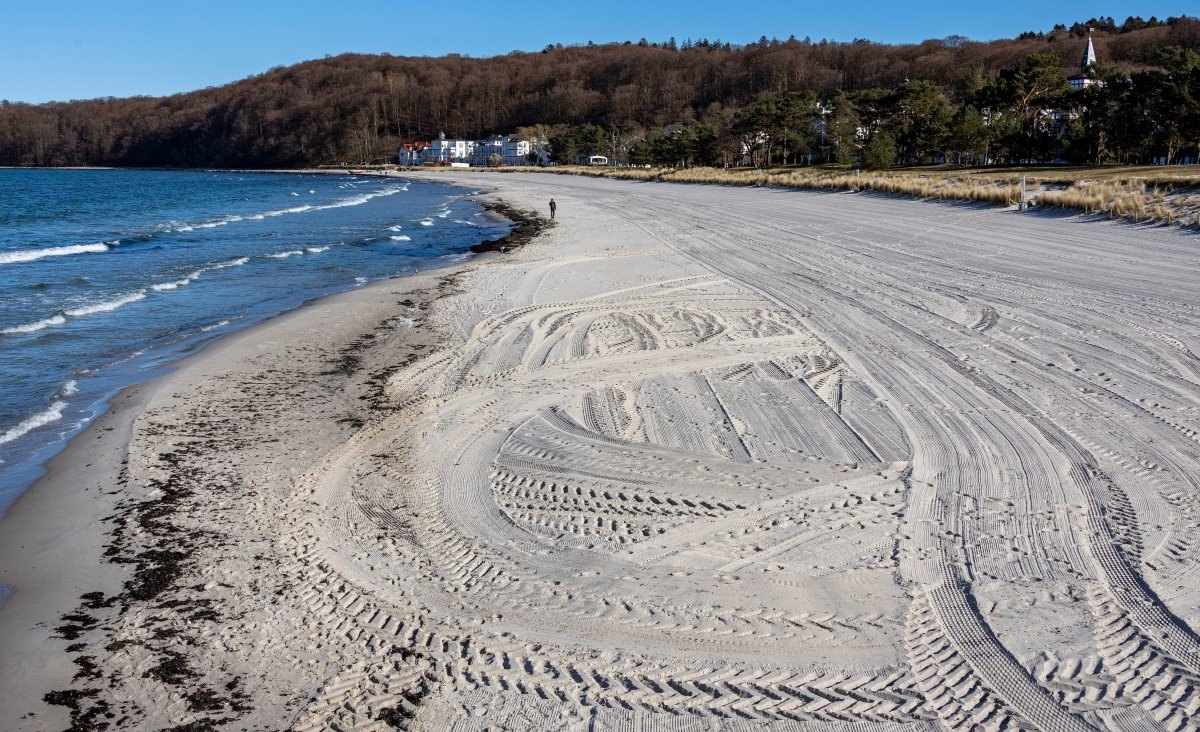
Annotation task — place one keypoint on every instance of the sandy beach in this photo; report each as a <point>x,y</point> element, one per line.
<point>694,458</point>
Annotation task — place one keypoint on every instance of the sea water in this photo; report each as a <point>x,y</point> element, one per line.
<point>108,276</point>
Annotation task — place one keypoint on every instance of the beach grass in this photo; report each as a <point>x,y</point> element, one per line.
<point>1152,194</point>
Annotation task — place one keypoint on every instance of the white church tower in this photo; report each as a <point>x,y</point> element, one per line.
<point>1084,79</point>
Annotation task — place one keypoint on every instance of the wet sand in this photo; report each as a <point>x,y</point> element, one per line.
<point>94,546</point>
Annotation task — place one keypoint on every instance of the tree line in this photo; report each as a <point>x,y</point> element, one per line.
<point>676,103</point>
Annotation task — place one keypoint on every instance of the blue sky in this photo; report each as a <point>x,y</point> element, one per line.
<point>70,49</point>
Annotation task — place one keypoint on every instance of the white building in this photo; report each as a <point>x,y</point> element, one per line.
<point>507,149</point>
<point>515,152</point>
<point>481,153</point>
<point>448,151</point>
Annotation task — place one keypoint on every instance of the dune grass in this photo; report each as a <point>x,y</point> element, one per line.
<point>1144,193</point>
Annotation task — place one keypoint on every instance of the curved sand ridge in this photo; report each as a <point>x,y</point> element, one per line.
<point>705,458</point>
<point>820,482</point>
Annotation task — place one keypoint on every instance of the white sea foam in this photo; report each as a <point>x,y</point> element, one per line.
<point>356,201</point>
<point>214,326</point>
<point>69,388</point>
<point>285,255</point>
<point>285,211</point>
<point>359,200</point>
<point>184,228</point>
<point>443,213</point>
<point>402,237</point>
<point>295,194</point>
<point>397,227</point>
<point>30,255</point>
<point>231,263</point>
<point>317,250</point>
<point>466,223</point>
<point>426,222</point>
<point>57,319</point>
<point>361,280</point>
<point>107,305</point>
<point>52,414</point>
<point>165,286</point>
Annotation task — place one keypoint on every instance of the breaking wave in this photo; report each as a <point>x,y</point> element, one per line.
<point>30,255</point>
<point>231,263</point>
<point>107,306</point>
<point>233,218</point>
<point>163,286</point>
<point>57,319</point>
<point>50,415</point>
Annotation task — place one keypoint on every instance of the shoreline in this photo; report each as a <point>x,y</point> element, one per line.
<point>65,519</point>
<point>26,461</point>
<point>723,458</point>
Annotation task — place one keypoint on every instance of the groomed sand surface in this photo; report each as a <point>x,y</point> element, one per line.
<point>697,458</point>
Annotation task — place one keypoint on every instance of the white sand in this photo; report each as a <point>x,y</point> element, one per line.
<point>698,458</point>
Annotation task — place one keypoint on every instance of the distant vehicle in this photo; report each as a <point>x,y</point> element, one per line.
<point>597,160</point>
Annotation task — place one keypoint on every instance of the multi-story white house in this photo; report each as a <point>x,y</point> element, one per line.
<point>515,152</point>
<point>448,151</point>
<point>482,151</point>
<point>507,149</point>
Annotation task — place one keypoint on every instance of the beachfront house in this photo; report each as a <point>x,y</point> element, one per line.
<point>515,152</point>
<point>502,149</point>
<point>487,152</point>
<point>449,151</point>
<point>413,153</point>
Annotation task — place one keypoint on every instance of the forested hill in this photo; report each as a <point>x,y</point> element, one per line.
<point>358,108</point>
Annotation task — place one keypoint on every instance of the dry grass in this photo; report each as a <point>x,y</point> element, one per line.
<point>1004,190</point>
<point>1158,200</point>
<point>1143,193</point>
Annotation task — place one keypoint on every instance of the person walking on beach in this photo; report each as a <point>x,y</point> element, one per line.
<point>553,207</point>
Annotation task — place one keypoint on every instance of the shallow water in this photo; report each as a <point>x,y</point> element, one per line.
<point>106,277</point>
